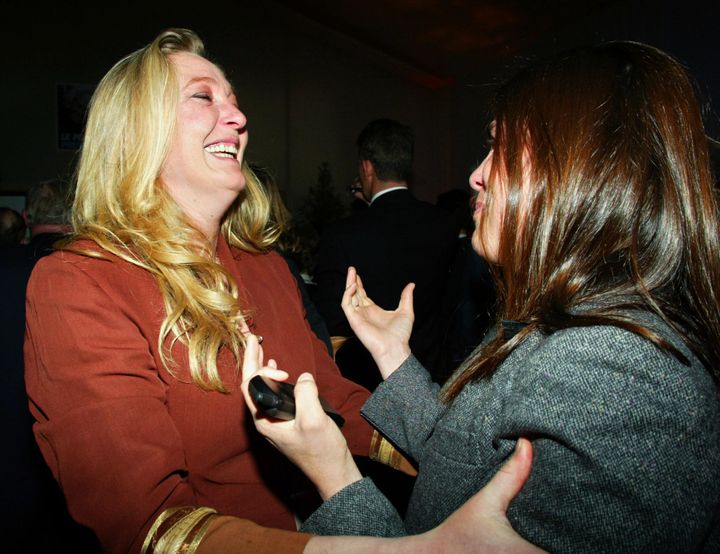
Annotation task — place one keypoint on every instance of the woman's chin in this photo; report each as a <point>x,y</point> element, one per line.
<point>482,248</point>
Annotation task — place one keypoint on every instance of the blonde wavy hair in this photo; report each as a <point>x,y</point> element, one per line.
<point>121,205</point>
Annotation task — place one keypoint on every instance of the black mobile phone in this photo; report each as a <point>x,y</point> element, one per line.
<point>277,399</point>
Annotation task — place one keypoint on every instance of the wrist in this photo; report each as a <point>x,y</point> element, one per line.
<point>347,474</point>
<point>392,359</point>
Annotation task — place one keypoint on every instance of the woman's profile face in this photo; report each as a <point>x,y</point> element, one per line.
<point>488,216</point>
<point>490,203</point>
<point>203,167</point>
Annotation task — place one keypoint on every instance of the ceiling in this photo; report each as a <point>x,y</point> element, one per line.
<point>449,39</point>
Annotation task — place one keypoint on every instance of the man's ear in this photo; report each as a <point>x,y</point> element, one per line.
<point>367,168</point>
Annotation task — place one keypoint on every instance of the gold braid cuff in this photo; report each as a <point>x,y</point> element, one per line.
<point>178,530</point>
<point>384,452</point>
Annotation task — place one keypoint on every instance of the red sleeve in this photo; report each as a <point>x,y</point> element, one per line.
<point>102,423</point>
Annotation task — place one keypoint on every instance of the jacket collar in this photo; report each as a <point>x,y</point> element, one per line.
<point>393,195</point>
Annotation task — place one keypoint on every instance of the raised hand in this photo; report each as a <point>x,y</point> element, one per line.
<point>385,333</point>
<point>312,441</point>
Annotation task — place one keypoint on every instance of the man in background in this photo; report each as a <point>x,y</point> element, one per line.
<point>397,240</point>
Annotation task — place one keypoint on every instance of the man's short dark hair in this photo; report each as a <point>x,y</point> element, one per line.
<point>389,146</point>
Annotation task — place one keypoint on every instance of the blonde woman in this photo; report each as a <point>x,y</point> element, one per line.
<point>136,329</point>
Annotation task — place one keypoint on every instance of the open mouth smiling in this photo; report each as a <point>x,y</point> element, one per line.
<point>223,150</point>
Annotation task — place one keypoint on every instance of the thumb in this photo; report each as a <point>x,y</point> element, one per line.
<point>406,298</point>
<point>307,405</point>
<point>509,479</point>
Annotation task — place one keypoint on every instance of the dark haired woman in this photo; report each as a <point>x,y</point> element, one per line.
<point>596,203</point>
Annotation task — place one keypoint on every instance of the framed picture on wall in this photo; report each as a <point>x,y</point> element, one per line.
<point>72,104</point>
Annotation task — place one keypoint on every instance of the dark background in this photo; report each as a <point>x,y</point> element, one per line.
<point>311,73</point>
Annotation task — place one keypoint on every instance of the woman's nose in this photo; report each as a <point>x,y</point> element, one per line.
<point>476,178</point>
<point>234,117</point>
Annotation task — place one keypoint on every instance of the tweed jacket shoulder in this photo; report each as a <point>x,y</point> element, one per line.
<point>626,446</point>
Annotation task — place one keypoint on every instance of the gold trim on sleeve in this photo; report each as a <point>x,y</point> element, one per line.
<point>178,530</point>
<point>382,451</point>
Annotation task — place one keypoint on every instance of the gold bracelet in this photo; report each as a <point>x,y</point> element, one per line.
<point>178,530</point>
<point>164,521</point>
<point>192,541</point>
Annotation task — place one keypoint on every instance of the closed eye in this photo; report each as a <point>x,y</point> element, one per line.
<point>202,96</point>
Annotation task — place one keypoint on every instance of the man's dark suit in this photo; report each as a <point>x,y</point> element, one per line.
<point>398,240</point>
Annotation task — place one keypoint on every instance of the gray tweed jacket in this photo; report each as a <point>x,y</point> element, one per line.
<point>626,446</point>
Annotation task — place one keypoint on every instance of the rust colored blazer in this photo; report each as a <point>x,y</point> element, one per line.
<point>125,438</point>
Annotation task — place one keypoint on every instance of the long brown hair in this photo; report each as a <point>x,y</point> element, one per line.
<point>620,212</point>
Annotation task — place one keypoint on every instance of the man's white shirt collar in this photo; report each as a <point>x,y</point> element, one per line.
<point>379,194</point>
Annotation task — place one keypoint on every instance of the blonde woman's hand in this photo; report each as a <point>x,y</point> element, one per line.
<point>311,440</point>
<point>385,333</point>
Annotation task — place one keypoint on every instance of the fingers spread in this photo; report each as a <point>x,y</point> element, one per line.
<point>348,300</point>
